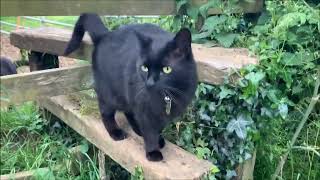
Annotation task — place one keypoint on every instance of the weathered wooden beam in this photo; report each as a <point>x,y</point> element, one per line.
<point>24,175</point>
<point>31,86</point>
<point>108,7</point>
<point>239,7</point>
<point>213,62</point>
<point>75,7</point>
<point>129,153</point>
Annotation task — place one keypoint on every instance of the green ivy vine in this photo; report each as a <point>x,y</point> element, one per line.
<point>226,123</point>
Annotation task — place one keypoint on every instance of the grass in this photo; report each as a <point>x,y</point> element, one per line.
<point>32,23</point>
<point>111,22</point>
<point>31,139</point>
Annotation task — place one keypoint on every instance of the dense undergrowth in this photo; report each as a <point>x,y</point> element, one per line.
<point>225,124</point>
<point>262,109</point>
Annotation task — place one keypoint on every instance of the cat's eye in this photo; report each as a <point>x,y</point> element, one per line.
<point>167,69</point>
<point>144,68</point>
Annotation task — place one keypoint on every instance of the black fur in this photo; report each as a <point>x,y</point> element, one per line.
<point>121,84</point>
<point>7,67</point>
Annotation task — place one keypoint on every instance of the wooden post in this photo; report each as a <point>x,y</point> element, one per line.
<point>102,162</point>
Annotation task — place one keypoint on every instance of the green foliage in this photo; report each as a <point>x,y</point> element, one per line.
<point>222,29</point>
<point>138,174</point>
<point>264,106</point>
<point>31,139</point>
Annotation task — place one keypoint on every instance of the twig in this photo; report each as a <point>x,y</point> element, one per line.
<point>313,101</point>
<point>307,148</point>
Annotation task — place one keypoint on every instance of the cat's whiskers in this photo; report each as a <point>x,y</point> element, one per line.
<point>176,91</point>
<point>140,91</point>
<point>173,98</point>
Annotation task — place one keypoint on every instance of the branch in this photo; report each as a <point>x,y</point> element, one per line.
<point>313,101</point>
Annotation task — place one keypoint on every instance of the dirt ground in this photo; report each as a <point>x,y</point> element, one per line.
<point>13,53</point>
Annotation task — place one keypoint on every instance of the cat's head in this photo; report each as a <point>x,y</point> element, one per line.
<point>170,69</point>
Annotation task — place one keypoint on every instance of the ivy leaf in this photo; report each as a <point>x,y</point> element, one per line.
<point>201,35</point>
<point>214,169</point>
<point>84,147</point>
<point>239,126</point>
<point>255,78</point>
<point>264,18</point>
<point>180,4</point>
<point>287,21</point>
<point>202,153</point>
<point>231,174</point>
<point>283,110</point>
<point>210,4</point>
<point>211,22</point>
<point>193,12</point>
<point>247,156</point>
<point>296,59</point>
<point>273,95</point>
<point>226,40</point>
<point>225,92</point>
<point>205,117</point>
<point>187,134</point>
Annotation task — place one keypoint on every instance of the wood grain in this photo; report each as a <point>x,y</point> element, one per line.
<point>108,7</point>
<point>24,175</point>
<point>129,153</point>
<point>213,62</point>
<point>31,86</point>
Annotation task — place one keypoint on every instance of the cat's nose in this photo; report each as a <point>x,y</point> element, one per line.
<point>150,82</point>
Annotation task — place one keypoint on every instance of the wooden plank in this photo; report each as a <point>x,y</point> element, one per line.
<point>245,170</point>
<point>76,7</point>
<point>30,86</point>
<point>24,175</point>
<point>129,153</point>
<point>213,63</point>
<point>107,7</point>
<point>241,6</point>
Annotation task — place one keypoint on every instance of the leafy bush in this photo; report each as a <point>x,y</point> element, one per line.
<point>262,108</point>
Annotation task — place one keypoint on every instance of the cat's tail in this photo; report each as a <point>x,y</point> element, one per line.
<point>86,22</point>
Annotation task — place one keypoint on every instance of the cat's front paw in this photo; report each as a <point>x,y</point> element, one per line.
<point>162,142</point>
<point>118,134</point>
<point>154,156</point>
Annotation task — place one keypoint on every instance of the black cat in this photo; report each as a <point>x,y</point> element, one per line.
<point>142,70</point>
<point>7,67</point>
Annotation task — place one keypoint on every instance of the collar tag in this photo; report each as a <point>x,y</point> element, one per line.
<point>167,100</point>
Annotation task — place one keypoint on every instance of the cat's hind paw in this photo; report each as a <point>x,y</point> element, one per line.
<point>154,156</point>
<point>118,134</point>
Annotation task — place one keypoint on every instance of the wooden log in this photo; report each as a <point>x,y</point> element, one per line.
<point>129,153</point>
<point>240,7</point>
<point>30,86</point>
<point>75,7</point>
<point>24,175</point>
<point>213,62</point>
<point>245,170</point>
<point>108,7</point>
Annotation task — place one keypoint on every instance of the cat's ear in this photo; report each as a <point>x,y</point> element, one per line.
<point>144,41</point>
<point>182,41</point>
